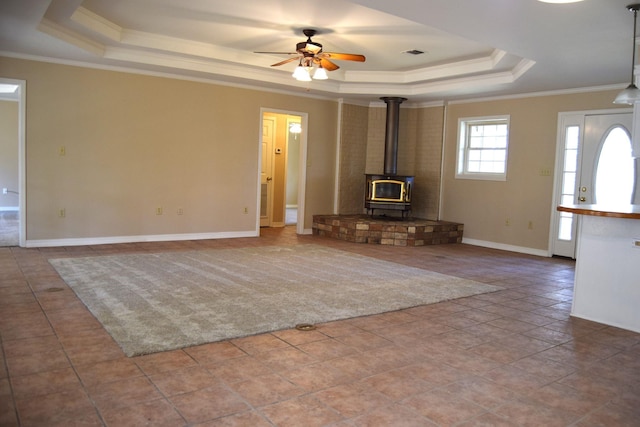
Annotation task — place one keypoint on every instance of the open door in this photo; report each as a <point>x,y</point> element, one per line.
<point>266,172</point>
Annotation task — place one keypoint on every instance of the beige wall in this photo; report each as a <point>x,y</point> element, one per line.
<point>9,153</point>
<point>133,143</point>
<point>526,195</point>
<point>426,157</point>
<point>353,149</point>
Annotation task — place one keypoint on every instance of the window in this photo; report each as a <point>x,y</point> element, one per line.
<point>482,148</point>
<point>615,170</point>
<point>568,188</point>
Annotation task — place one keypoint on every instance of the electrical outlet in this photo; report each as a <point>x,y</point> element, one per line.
<point>246,210</point>
<point>545,171</point>
<point>159,210</point>
<point>62,213</point>
<point>530,225</point>
<point>5,191</point>
<point>507,222</point>
<point>62,150</point>
<point>180,211</point>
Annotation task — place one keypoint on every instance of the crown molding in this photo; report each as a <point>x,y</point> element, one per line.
<point>441,71</point>
<point>304,93</point>
<point>69,36</point>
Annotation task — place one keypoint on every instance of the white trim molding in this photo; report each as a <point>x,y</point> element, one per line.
<point>86,241</point>
<point>505,247</point>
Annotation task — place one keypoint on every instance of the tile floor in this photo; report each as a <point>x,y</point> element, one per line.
<point>510,358</point>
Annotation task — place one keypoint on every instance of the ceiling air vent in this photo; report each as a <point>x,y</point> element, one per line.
<point>414,52</point>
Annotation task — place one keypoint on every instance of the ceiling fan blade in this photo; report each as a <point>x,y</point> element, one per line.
<point>328,65</point>
<point>280,53</point>
<point>286,61</point>
<point>344,56</point>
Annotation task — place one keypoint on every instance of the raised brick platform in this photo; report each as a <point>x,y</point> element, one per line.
<point>381,231</point>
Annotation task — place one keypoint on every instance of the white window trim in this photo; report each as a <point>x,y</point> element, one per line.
<point>461,152</point>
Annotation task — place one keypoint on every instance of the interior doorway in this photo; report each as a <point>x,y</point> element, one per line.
<point>294,132</point>
<point>282,168</point>
<point>594,165</point>
<point>12,162</point>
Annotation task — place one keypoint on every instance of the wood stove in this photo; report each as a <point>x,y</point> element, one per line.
<point>389,191</point>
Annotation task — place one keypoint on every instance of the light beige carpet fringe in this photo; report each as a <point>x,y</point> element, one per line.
<point>157,302</point>
<point>9,223</point>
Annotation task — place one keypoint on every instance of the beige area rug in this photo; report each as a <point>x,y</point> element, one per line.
<point>157,302</point>
<point>9,223</point>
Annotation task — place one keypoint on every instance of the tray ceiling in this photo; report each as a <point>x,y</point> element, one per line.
<point>472,48</point>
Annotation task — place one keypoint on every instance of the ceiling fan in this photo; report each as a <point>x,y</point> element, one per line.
<point>309,53</point>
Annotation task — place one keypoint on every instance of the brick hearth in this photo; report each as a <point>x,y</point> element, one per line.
<point>365,229</point>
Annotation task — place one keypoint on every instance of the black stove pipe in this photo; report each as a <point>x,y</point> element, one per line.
<point>391,134</point>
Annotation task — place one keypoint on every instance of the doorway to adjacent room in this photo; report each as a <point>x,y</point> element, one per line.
<point>282,169</point>
<point>12,162</point>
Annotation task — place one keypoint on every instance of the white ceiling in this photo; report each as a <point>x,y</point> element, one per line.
<point>473,48</point>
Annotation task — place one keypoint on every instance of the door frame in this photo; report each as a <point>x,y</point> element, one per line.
<point>302,164</point>
<point>21,98</point>
<point>565,119</point>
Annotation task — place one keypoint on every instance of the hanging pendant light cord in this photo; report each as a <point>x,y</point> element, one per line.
<point>631,94</point>
<point>633,54</point>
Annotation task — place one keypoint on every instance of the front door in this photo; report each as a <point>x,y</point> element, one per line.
<point>266,174</point>
<point>594,166</point>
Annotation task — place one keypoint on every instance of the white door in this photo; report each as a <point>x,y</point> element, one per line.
<point>266,171</point>
<point>594,166</point>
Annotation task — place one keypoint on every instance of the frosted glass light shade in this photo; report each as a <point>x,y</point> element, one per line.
<point>628,96</point>
<point>301,74</point>
<point>320,74</point>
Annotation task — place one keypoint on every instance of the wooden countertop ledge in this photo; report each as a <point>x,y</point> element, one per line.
<point>622,211</point>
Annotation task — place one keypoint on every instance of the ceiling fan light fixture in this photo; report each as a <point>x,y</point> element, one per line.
<point>313,47</point>
<point>320,74</point>
<point>631,94</point>
<point>313,63</point>
<point>301,74</point>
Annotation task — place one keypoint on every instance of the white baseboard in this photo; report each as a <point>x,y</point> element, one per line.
<point>9,208</point>
<point>85,241</point>
<point>502,246</point>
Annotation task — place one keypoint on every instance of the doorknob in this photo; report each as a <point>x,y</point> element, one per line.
<point>583,199</point>
<point>269,179</point>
